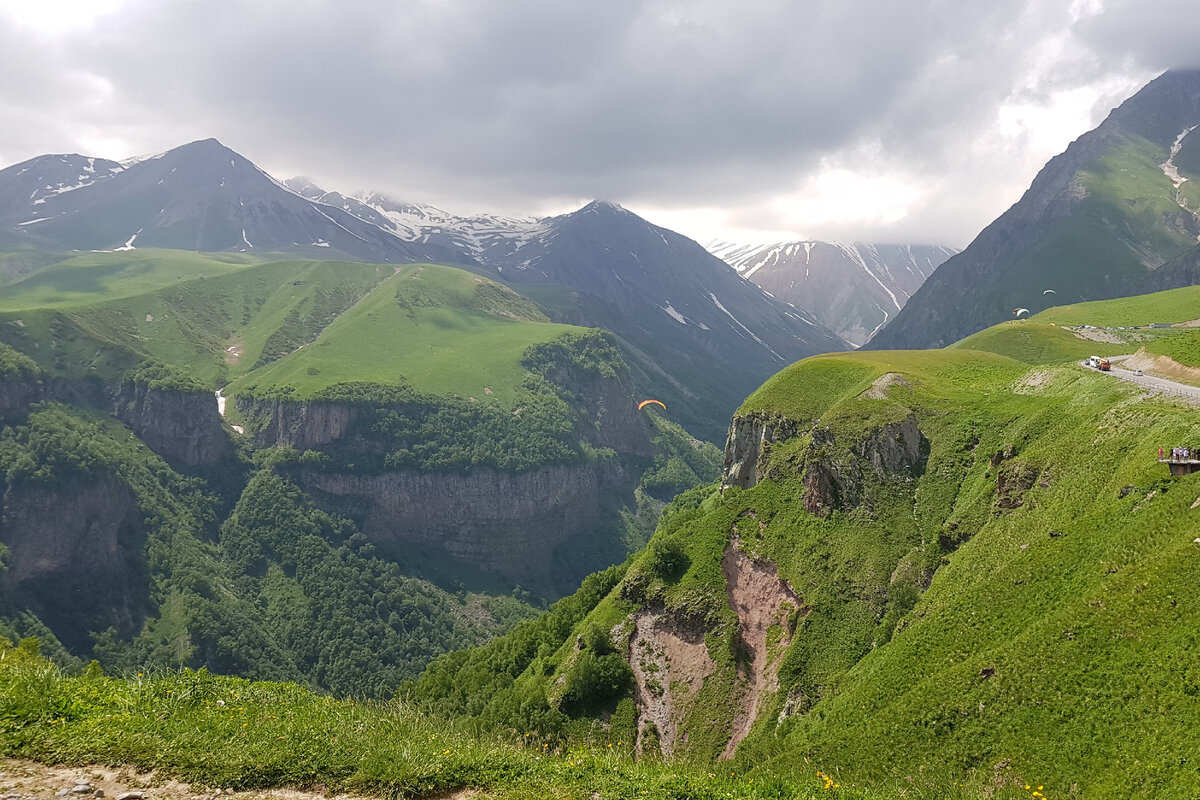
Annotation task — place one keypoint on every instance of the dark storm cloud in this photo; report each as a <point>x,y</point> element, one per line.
<point>515,106</point>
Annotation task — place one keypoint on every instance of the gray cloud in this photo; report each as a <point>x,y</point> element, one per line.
<point>524,105</point>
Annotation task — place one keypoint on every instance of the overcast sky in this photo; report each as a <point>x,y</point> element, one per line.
<point>864,120</point>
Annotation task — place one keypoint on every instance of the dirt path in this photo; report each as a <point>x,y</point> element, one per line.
<point>21,779</point>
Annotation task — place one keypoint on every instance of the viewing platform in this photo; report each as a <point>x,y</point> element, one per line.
<point>1181,466</point>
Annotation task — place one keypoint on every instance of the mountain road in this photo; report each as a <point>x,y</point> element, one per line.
<point>1183,391</point>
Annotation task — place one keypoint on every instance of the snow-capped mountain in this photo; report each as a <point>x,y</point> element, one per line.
<point>485,239</point>
<point>853,289</point>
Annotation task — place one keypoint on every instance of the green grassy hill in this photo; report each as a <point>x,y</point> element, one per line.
<point>975,581</point>
<point>443,330</point>
<point>226,319</point>
<point>1007,605</point>
<point>517,441</point>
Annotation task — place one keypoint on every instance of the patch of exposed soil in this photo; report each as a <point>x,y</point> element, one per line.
<point>670,663</point>
<point>30,779</point>
<point>1098,335</point>
<point>1034,379</point>
<point>879,389</point>
<point>233,354</point>
<point>761,599</point>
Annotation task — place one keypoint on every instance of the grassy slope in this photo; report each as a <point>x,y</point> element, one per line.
<point>1174,305</point>
<point>1050,632</point>
<point>1054,646</point>
<point>444,330</point>
<point>84,279</point>
<point>1087,629</point>
<point>1030,342</point>
<point>1058,627</point>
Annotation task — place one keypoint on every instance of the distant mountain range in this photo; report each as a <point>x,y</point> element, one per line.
<point>201,196</point>
<point>704,336</point>
<point>854,289</point>
<point>1117,213</point>
<point>604,266</point>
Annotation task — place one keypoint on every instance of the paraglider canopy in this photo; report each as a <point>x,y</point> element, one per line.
<point>1019,311</point>
<point>645,403</point>
<point>1049,291</point>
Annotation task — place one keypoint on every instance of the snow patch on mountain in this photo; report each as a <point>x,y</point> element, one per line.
<point>675,315</point>
<point>717,302</point>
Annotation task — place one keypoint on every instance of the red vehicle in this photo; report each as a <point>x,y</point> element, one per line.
<point>1104,365</point>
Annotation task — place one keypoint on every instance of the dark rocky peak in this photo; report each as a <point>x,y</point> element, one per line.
<point>1163,108</point>
<point>204,165</point>
<point>35,180</point>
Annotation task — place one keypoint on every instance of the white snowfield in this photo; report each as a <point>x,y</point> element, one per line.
<point>474,234</point>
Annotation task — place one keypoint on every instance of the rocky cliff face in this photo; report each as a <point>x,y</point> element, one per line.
<point>608,414</point>
<point>518,527</point>
<point>84,538</point>
<point>748,445</point>
<point>895,451</point>
<point>18,394</point>
<point>302,426</point>
<point>180,426</point>
<point>543,528</point>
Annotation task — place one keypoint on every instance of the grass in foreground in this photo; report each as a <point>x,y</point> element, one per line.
<point>217,731</point>
<point>231,732</point>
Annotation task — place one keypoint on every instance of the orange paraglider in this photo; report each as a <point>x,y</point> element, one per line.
<point>645,403</point>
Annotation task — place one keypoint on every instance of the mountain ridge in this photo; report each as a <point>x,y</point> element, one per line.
<point>1097,222</point>
<point>852,288</point>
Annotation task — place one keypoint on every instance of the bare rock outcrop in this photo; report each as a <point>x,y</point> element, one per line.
<point>509,525</point>
<point>670,659</point>
<point>181,426</point>
<point>83,536</point>
<point>749,443</point>
<point>19,392</point>
<point>897,450</point>
<point>762,601</point>
<point>295,424</point>
<point>670,662</point>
